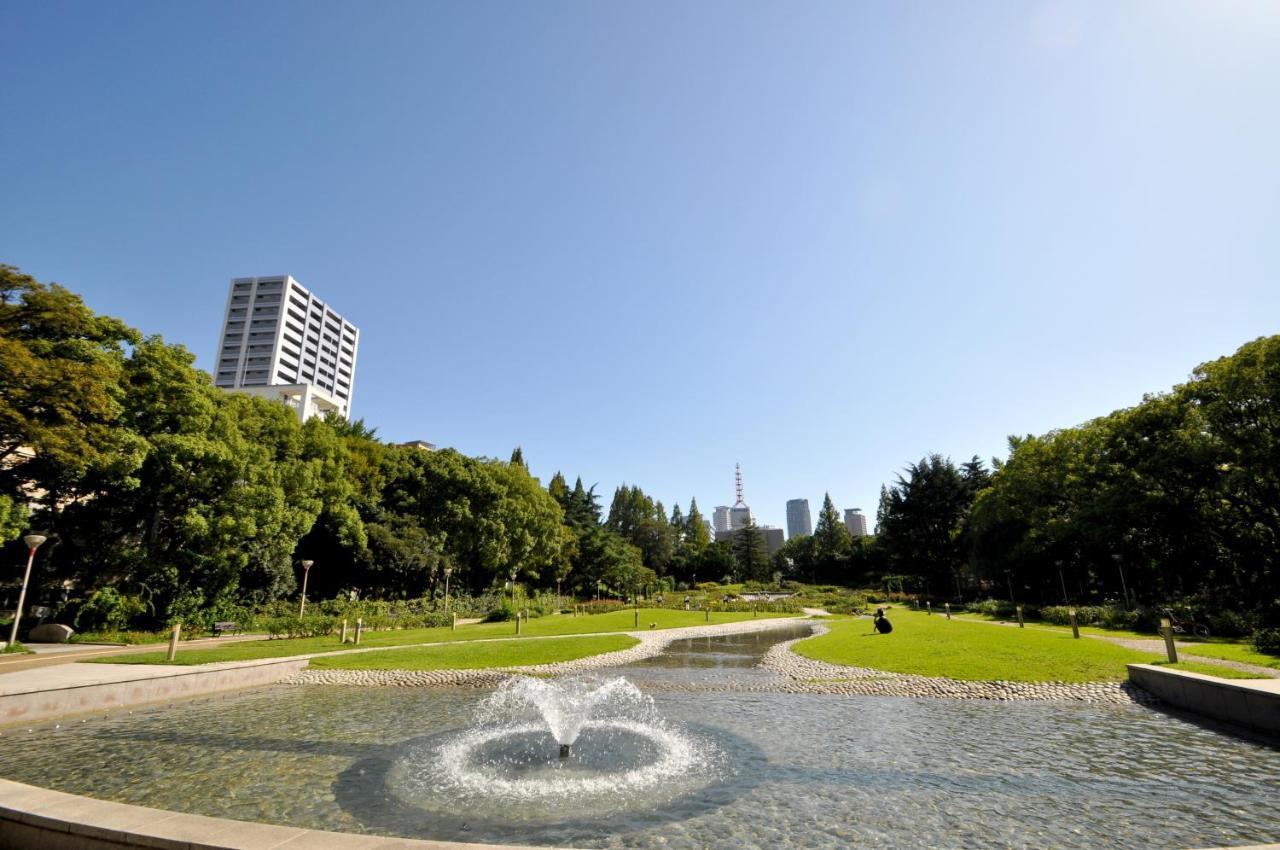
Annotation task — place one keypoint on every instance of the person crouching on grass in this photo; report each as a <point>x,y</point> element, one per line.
<point>881,623</point>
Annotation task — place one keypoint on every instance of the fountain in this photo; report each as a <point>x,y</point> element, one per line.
<point>564,706</point>
<point>547,744</point>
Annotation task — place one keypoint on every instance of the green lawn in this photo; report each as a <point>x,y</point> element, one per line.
<point>557,624</point>
<point>1229,651</point>
<point>1210,670</point>
<point>469,656</point>
<point>935,646</point>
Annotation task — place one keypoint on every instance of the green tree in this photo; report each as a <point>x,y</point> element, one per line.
<point>60,368</point>
<point>920,522</point>
<point>696,536</point>
<point>749,553</point>
<point>831,542</point>
<point>13,518</point>
<point>559,491</point>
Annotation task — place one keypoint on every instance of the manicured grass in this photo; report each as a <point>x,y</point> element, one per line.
<point>469,656</point>
<point>1041,624</point>
<point>1242,652</point>
<point>557,624</point>
<point>1210,670</point>
<point>935,646</point>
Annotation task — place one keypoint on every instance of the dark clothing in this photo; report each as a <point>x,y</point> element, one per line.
<point>883,626</point>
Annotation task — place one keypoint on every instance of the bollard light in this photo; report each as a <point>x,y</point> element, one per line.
<point>1166,629</point>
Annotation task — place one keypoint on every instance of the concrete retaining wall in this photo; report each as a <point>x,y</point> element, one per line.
<point>147,686</point>
<point>1249,703</point>
<point>32,817</point>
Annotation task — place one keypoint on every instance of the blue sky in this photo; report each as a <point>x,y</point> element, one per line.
<point>646,241</point>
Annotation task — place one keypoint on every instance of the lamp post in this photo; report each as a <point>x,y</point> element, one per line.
<point>33,542</point>
<point>1062,581</point>
<point>513,587</point>
<point>306,571</point>
<point>558,580</point>
<point>448,571</point>
<point>1124,588</point>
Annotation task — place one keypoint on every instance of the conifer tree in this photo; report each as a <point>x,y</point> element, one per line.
<point>831,540</point>
<point>696,536</point>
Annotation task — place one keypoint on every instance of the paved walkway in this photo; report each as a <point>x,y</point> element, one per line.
<point>49,654</point>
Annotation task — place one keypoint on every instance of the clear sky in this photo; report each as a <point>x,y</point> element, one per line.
<point>647,240</point>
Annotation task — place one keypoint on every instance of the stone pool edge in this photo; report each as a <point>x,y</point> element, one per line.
<point>114,689</point>
<point>1252,704</point>
<point>31,816</point>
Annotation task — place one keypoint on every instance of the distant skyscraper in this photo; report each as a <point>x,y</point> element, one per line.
<point>798,520</point>
<point>720,518</point>
<point>855,522</point>
<point>281,342</point>
<point>770,535</point>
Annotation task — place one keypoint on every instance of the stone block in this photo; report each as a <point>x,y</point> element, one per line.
<point>50,633</point>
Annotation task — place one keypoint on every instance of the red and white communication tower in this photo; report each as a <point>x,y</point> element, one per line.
<point>737,485</point>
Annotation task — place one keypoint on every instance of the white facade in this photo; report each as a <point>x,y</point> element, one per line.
<point>280,341</point>
<point>855,522</point>
<point>739,515</point>
<point>720,518</point>
<point>799,523</point>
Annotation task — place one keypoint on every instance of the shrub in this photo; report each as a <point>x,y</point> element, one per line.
<point>1228,623</point>
<point>107,609</point>
<point>317,625</point>
<point>501,613</point>
<point>1267,641</point>
<point>602,606</point>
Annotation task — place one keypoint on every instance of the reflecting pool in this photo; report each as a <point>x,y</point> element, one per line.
<point>763,770</point>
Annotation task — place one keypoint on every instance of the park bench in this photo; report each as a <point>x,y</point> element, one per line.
<point>229,627</point>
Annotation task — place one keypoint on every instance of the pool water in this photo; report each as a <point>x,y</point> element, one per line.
<point>781,771</point>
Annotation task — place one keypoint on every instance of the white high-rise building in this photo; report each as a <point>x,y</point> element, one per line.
<point>739,515</point>
<point>799,523</point>
<point>720,518</point>
<point>855,522</point>
<point>281,342</point>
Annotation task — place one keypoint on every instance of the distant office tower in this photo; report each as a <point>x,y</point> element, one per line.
<point>855,522</point>
<point>798,522</point>
<point>771,535</point>
<point>281,342</point>
<point>720,518</point>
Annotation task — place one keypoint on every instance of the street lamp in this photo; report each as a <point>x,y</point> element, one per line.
<point>33,542</point>
<point>306,571</point>
<point>558,579</point>
<point>1062,581</point>
<point>513,587</point>
<point>448,571</point>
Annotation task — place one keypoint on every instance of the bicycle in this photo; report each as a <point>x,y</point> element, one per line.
<point>1186,627</point>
